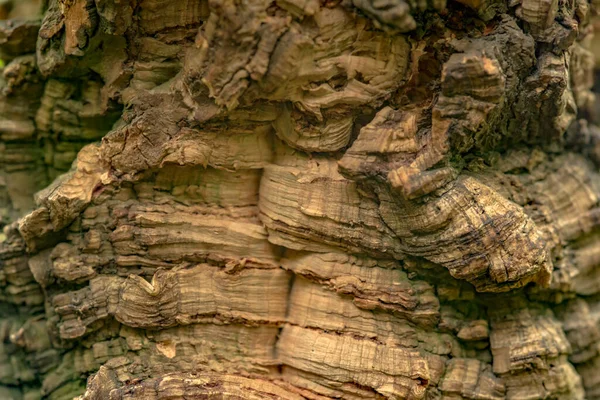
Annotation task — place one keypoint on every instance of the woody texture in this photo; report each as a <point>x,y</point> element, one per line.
<point>299,199</point>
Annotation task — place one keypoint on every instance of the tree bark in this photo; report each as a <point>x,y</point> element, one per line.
<point>299,199</point>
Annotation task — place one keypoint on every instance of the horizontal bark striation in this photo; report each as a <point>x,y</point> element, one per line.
<point>298,200</point>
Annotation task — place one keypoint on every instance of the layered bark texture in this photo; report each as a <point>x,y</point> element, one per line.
<point>299,199</point>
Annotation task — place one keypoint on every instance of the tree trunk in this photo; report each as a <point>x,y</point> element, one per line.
<point>299,199</point>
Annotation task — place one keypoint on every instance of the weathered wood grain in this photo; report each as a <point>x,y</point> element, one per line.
<point>356,199</point>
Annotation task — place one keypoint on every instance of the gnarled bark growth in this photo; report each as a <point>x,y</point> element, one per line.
<point>357,199</point>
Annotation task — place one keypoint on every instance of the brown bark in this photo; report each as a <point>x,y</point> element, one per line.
<point>357,199</point>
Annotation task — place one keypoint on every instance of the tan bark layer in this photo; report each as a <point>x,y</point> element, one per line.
<point>299,200</point>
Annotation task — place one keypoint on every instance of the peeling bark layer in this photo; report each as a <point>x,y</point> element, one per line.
<point>299,200</point>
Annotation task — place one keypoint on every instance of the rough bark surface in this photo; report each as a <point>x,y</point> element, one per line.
<point>299,199</point>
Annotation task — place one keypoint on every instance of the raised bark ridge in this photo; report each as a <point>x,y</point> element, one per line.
<point>299,200</point>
